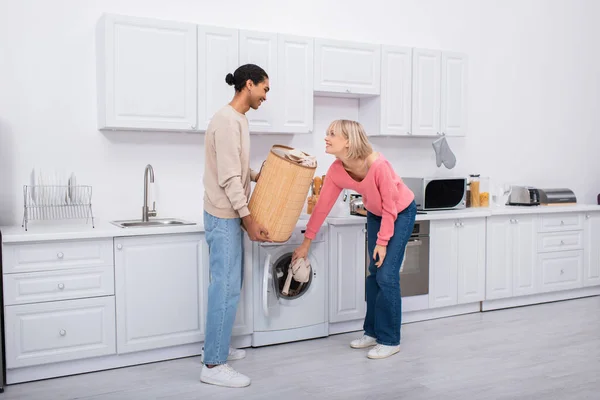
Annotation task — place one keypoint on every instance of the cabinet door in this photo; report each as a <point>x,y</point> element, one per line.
<point>499,258</point>
<point>294,83</point>
<point>158,290</point>
<point>454,94</point>
<point>260,48</point>
<point>524,255</point>
<point>347,273</point>
<point>146,74</point>
<point>591,266</point>
<point>471,261</point>
<point>443,266</point>
<point>426,92</point>
<point>218,55</point>
<point>396,91</point>
<point>347,68</point>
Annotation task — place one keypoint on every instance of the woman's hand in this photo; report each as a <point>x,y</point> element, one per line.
<point>379,251</point>
<point>301,251</point>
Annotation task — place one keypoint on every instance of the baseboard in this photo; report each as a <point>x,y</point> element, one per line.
<point>55,370</point>
<point>441,312</point>
<point>510,302</point>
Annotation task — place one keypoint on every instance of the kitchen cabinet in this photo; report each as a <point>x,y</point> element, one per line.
<point>159,291</point>
<point>511,256</point>
<point>439,93</point>
<point>347,258</point>
<point>347,69</point>
<point>146,74</point>
<point>390,113</point>
<point>260,48</point>
<point>591,264</point>
<point>457,262</point>
<point>218,55</point>
<point>295,100</point>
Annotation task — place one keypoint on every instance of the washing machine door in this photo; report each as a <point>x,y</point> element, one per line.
<point>276,272</point>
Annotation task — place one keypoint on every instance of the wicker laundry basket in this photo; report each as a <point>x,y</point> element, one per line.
<point>280,194</point>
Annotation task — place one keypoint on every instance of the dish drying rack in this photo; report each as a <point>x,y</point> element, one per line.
<point>57,202</point>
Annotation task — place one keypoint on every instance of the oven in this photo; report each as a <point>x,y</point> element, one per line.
<point>414,272</point>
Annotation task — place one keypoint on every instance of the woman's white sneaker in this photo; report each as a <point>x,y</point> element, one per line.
<point>364,342</point>
<point>223,375</point>
<point>382,351</point>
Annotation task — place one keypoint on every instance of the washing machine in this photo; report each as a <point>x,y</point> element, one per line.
<point>302,313</point>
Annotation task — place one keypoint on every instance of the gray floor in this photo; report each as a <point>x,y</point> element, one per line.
<point>549,351</point>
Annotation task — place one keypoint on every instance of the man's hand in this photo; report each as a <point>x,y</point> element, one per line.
<point>256,232</point>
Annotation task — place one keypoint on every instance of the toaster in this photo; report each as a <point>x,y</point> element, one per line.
<point>524,196</point>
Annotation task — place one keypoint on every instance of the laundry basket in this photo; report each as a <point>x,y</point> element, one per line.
<point>279,196</point>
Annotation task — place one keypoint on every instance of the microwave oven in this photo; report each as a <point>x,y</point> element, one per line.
<point>438,193</point>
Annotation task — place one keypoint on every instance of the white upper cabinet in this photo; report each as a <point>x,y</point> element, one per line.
<point>294,84</point>
<point>347,68</point>
<point>260,48</point>
<point>390,113</point>
<point>217,56</point>
<point>454,94</point>
<point>146,71</point>
<point>426,92</point>
<point>439,93</point>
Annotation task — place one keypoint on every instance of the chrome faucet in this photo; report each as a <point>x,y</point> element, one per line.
<point>145,212</point>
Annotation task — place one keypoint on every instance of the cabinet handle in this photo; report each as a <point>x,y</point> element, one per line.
<point>63,332</point>
<point>60,255</point>
<point>562,271</point>
<point>516,221</point>
<point>409,133</point>
<point>562,242</point>
<point>457,224</point>
<point>562,222</point>
<point>193,126</point>
<point>439,134</point>
<point>119,246</point>
<point>587,216</point>
<point>348,91</point>
<point>61,286</point>
<point>364,230</point>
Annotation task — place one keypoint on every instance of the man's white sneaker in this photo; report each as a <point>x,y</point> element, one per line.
<point>364,342</point>
<point>223,375</point>
<point>234,354</point>
<point>382,351</point>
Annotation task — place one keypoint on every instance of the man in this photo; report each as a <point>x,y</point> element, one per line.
<point>227,177</point>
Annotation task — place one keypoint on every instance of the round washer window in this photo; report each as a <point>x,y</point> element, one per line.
<point>280,274</point>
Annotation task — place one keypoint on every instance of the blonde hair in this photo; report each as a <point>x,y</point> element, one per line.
<point>358,144</point>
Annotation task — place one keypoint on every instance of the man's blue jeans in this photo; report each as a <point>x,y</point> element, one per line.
<point>226,254</point>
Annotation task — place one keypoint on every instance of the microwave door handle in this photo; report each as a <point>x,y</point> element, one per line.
<point>414,242</point>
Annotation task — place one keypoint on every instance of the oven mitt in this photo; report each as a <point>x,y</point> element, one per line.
<point>443,154</point>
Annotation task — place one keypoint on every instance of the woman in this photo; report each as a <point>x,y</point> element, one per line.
<point>390,220</point>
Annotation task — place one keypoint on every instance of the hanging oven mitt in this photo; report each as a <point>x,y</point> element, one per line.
<point>443,154</point>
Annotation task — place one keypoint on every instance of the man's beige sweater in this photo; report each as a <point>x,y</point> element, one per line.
<point>227,172</point>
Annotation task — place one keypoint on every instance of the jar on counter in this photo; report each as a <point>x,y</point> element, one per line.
<point>474,190</point>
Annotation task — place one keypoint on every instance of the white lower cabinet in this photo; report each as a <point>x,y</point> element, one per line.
<point>347,273</point>
<point>457,262</point>
<point>159,291</point>
<point>591,253</point>
<point>44,333</point>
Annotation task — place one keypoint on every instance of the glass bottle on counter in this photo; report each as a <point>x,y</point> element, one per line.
<point>474,190</point>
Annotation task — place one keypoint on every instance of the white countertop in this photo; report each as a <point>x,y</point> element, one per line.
<point>68,230</point>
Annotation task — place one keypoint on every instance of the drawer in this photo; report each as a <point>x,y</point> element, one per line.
<point>56,255</point>
<point>558,241</point>
<point>59,331</point>
<point>560,222</point>
<point>560,270</point>
<point>36,287</point>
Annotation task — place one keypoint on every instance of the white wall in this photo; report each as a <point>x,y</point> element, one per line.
<point>533,93</point>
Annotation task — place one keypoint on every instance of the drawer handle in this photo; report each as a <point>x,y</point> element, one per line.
<point>60,255</point>
<point>562,242</point>
<point>119,246</point>
<point>562,271</point>
<point>61,286</point>
<point>63,332</point>
<point>562,222</point>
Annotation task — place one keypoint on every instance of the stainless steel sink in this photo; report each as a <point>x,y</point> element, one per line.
<point>136,223</point>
